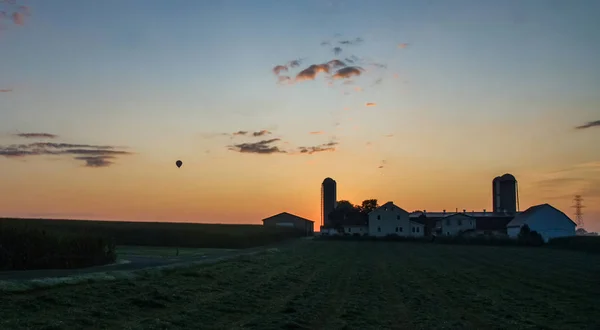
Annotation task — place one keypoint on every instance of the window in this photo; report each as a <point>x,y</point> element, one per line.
<point>396,229</point>
<point>349,230</point>
<point>417,229</point>
<point>459,222</point>
<point>400,229</point>
<point>470,222</point>
<point>397,217</point>
<point>378,217</point>
<point>379,229</point>
<point>413,229</point>
<point>385,208</point>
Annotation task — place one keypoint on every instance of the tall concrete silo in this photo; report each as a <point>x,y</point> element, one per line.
<point>496,194</point>
<point>328,199</point>
<point>505,194</point>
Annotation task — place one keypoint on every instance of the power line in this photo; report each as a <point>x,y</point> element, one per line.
<point>578,210</point>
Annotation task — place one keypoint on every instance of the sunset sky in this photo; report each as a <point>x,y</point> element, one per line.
<point>427,103</point>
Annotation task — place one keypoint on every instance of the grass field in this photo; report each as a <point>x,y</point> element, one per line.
<point>193,235</point>
<point>337,285</point>
<point>166,252</point>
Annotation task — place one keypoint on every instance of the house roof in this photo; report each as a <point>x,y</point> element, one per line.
<point>282,213</point>
<point>524,216</point>
<point>455,214</point>
<point>418,214</point>
<point>390,205</point>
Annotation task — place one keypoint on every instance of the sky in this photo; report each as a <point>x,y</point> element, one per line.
<point>421,103</point>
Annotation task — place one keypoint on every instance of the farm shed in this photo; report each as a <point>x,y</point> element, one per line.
<point>285,219</point>
<point>545,219</point>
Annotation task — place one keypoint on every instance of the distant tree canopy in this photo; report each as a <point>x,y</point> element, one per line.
<point>347,213</point>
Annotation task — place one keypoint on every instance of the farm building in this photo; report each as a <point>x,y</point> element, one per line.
<point>390,219</point>
<point>486,223</point>
<point>285,219</point>
<point>455,224</point>
<point>545,219</point>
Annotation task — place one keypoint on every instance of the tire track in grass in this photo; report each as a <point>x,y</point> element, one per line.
<point>283,309</point>
<point>208,307</point>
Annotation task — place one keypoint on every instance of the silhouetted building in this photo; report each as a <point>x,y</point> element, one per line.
<point>505,194</point>
<point>328,200</point>
<point>289,220</point>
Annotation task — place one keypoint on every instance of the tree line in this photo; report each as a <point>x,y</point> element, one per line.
<point>347,213</point>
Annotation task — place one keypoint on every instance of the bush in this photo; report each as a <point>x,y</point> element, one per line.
<point>580,243</point>
<point>528,237</point>
<point>24,248</point>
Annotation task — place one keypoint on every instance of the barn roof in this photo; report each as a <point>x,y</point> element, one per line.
<point>524,216</point>
<point>286,213</point>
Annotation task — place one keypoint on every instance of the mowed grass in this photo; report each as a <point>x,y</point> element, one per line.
<point>166,252</point>
<point>337,285</point>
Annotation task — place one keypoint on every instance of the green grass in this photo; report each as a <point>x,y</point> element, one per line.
<point>166,252</point>
<point>336,285</point>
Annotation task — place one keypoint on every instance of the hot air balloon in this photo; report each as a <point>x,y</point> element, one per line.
<point>178,163</point>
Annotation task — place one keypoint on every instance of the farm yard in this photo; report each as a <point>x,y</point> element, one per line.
<point>336,285</point>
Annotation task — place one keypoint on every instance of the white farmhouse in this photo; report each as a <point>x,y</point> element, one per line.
<point>454,224</point>
<point>545,219</point>
<point>390,219</point>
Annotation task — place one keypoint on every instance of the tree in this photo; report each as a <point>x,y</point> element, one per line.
<point>344,205</point>
<point>368,205</point>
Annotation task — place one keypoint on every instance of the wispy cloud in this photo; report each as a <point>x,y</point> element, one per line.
<point>389,135</point>
<point>337,50</point>
<point>6,90</point>
<point>37,135</point>
<point>92,155</point>
<point>354,41</point>
<point>316,132</point>
<point>318,148</point>
<point>403,45</point>
<point>257,133</point>
<point>285,67</point>
<point>589,124</point>
<point>312,71</point>
<point>371,104</point>
<point>14,12</point>
<point>261,147</point>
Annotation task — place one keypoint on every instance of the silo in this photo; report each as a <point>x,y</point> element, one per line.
<point>496,194</point>
<point>508,193</point>
<point>328,199</point>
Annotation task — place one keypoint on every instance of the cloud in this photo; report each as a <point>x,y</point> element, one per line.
<point>279,68</point>
<point>6,90</point>
<point>348,72</point>
<point>337,50</point>
<point>389,135</point>
<point>261,147</point>
<point>312,71</point>
<point>285,68</point>
<point>334,64</point>
<point>282,80</point>
<point>317,132</point>
<point>319,148</point>
<point>589,124</point>
<point>371,104</point>
<point>92,155</point>
<point>261,133</point>
<point>351,42</point>
<point>257,133</point>
<point>96,161</point>
<point>383,163</point>
<point>212,135</point>
<point>403,45</point>
<point>37,135</point>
